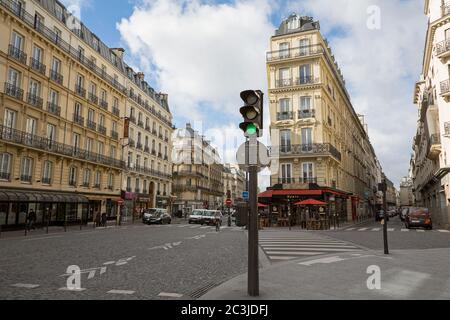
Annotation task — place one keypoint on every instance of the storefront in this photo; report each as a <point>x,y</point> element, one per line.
<point>50,208</point>
<point>128,209</point>
<point>283,210</point>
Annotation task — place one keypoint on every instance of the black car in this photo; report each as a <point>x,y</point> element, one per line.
<point>156,216</point>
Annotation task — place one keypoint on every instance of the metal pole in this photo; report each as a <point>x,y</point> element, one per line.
<point>253,266</point>
<point>49,215</point>
<point>385,217</point>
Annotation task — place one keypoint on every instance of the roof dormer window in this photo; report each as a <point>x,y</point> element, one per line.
<point>293,23</point>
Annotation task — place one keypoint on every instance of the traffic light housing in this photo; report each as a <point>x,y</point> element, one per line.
<point>252,112</point>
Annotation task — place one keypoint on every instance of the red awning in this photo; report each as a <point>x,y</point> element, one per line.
<point>260,205</point>
<point>271,193</point>
<point>311,202</point>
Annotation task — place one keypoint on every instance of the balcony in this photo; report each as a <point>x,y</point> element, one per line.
<point>155,133</point>
<point>13,91</point>
<point>294,53</point>
<point>93,98</point>
<point>116,111</point>
<point>34,100</point>
<point>166,139</point>
<point>445,88</point>
<point>141,124</point>
<point>86,185</point>
<point>306,114</point>
<point>104,104</point>
<point>434,147</point>
<point>133,119</point>
<point>443,49</point>
<point>17,54</point>
<point>137,190</point>
<point>37,65</point>
<point>147,127</point>
<point>308,150</point>
<point>45,180</point>
<point>91,125</point>
<point>128,189</point>
<point>97,186</point>
<point>139,145</point>
<point>161,136</point>
<point>5,176</point>
<point>114,135</point>
<point>25,178</point>
<point>131,143</point>
<point>281,83</point>
<point>101,129</point>
<point>77,119</point>
<point>57,77</point>
<point>301,81</point>
<point>72,183</point>
<point>80,91</point>
<point>154,152</point>
<point>159,155</point>
<point>297,181</point>
<point>53,108</point>
<point>147,149</point>
<point>281,116</point>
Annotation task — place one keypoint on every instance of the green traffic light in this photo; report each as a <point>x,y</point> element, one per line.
<point>251,129</point>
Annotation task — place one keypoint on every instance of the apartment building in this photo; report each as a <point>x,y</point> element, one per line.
<point>197,172</point>
<point>321,143</point>
<point>64,97</point>
<point>233,181</point>
<point>430,164</point>
<point>406,193</point>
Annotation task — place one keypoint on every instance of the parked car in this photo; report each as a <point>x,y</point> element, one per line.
<point>404,213</point>
<point>209,217</point>
<point>419,218</point>
<point>392,213</point>
<point>196,216</point>
<point>156,216</point>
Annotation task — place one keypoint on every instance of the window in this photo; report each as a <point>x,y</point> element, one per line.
<point>128,184</point>
<point>93,89</point>
<point>305,104</point>
<point>284,77</point>
<point>38,21</point>
<point>80,81</point>
<point>111,181</point>
<point>53,97</point>
<point>89,144</point>
<point>5,166</point>
<point>10,119</point>
<point>47,173</point>
<point>104,95</point>
<point>114,126</point>
<point>100,149</point>
<point>145,163</point>
<point>112,153</point>
<point>59,12</point>
<point>95,43</point>
<point>285,105</point>
<point>286,173</point>
<point>91,115</point>
<point>285,136</point>
<point>98,179</point>
<point>51,132</point>
<point>305,74</point>
<point>101,120</point>
<point>308,172</point>
<point>56,65</point>
<point>86,178</point>
<point>13,77</point>
<point>37,54</point>
<point>80,53</point>
<point>31,126</point>
<point>304,47</point>
<point>35,88</point>
<point>130,160</point>
<point>137,185</point>
<point>293,23</point>
<point>284,50</point>
<point>77,110</point>
<point>17,41</point>
<point>76,141</point>
<point>138,160</point>
<point>307,139</point>
<point>145,186</point>
<point>26,170</point>
<point>58,34</point>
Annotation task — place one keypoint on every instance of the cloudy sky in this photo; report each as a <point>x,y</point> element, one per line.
<point>204,52</point>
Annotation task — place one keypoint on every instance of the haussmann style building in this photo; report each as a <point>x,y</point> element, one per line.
<point>321,144</point>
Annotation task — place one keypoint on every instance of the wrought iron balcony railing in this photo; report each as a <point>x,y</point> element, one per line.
<point>34,100</point>
<point>91,124</point>
<point>101,129</point>
<point>131,143</point>
<point>79,90</point>
<point>25,178</point>
<point>57,77</point>
<point>17,54</point>
<point>46,180</point>
<point>116,111</point>
<point>5,176</point>
<point>53,108</point>
<point>13,91</point>
<point>289,115</point>
<point>141,124</point>
<point>306,114</point>
<point>93,98</point>
<point>296,180</point>
<point>442,47</point>
<point>114,135</point>
<point>37,65</point>
<point>133,119</point>
<point>308,149</point>
<point>29,140</point>
<point>78,119</point>
<point>297,52</point>
<point>445,87</point>
<point>104,104</point>
<point>445,9</point>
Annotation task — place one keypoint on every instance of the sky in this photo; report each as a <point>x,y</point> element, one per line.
<point>203,53</point>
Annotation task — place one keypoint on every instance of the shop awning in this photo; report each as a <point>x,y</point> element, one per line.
<point>272,193</point>
<point>260,205</point>
<point>40,197</point>
<point>311,202</point>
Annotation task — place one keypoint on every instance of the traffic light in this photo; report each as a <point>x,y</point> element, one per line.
<point>252,112</point>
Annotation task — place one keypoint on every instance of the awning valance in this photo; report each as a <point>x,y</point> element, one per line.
<point>40,197</point>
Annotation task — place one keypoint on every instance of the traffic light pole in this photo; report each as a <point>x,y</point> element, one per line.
<point>385,219</point>
<point>253,265</point>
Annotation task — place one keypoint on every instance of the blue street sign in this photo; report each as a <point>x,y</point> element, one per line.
<point>245,195</point>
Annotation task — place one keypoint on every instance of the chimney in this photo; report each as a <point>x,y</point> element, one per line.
<point>141,76</point>
<point>118,52</point>
<point>164,98</point>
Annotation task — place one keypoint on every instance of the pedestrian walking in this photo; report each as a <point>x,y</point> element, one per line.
<point>218,220</point>
<point>31,219</point>
<point>104,219</point>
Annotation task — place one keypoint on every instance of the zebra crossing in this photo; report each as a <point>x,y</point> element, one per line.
<point>401,229</point>
<point>204,228</point>
<point>289,246</point>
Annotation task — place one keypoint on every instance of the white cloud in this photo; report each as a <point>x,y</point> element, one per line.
<point>380,68</point>
<point>202,54</point>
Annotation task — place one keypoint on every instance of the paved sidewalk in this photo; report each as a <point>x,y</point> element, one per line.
<point>406,274</point>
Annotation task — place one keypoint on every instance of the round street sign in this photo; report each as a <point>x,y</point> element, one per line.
<point>263,156</point>
<point>229,202</point>
<point>120,202</point>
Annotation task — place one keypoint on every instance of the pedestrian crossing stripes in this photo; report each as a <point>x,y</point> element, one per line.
<point>284,247</point>
<point>393,230</point>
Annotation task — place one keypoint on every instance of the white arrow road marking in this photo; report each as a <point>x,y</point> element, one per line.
<point>25,285</point>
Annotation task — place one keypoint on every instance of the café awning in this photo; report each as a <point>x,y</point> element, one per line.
<point>311,202</point>
<point>40,197</point>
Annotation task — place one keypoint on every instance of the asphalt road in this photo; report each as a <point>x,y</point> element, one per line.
<point>136,262</point>
<point>370,235</point>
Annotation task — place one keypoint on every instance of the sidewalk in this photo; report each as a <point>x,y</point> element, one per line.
<point>406,274</point>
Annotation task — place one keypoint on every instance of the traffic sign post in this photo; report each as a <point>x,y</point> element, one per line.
<point>245,195</point>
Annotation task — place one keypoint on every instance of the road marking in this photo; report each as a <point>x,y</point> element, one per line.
<point>25,285</point>
<point>204,227</point>
<point>391,229</point>
<point>170,295</point>
<point>420,230</point>
<point>444,231</point>
<point>194,227</point>
<point>376,229</point>
<point>44,238</point>
<point>270,253</point>
<point>183,226</point>
<point>121,292</point>
<point>109,262</point>
<point>308,246</point>
<point>322,260</point>
<point>282,258</point>
<point>350,229</point>
<point>325,249</point>
<point>363,229</point>
<point>405,230</point>
<point>74,290</point>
